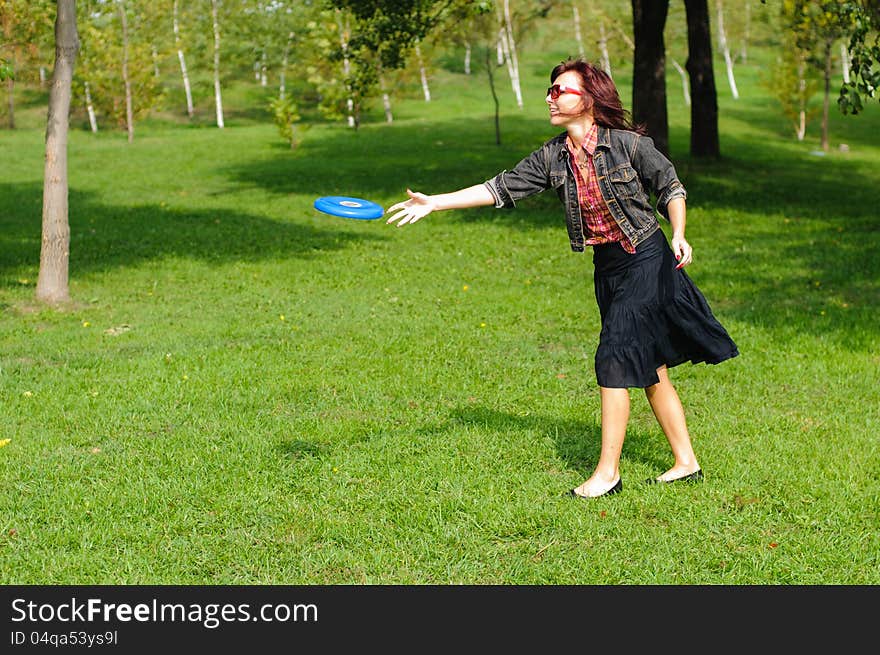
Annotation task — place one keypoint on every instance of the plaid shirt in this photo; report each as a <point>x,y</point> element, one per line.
<point>599,225</point>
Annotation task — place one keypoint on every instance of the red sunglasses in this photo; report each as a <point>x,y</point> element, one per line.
<point>558,89</point>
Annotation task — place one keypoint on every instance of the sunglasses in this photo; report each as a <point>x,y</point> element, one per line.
<point>558,89</point>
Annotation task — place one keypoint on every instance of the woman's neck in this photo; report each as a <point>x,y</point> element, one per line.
<point>578,130</point>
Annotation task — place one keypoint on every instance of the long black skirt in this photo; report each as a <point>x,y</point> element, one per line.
<point>652,315</point>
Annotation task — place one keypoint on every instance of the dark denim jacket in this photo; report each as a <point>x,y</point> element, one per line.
<point>629,169</point>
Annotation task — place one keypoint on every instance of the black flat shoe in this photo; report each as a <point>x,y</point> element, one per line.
<point>696,476</point>
<point>616,489</point>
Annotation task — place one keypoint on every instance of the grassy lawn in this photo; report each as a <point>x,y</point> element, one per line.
<point>245,391</point>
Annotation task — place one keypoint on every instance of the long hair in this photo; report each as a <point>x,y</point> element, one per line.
<point>602,95</point>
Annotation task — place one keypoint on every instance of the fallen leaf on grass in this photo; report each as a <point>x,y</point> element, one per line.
<point>116,331</point>
<point>741,501</point>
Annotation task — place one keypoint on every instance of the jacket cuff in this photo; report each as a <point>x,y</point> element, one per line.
<point>676,190</point>
<point>499,191</point>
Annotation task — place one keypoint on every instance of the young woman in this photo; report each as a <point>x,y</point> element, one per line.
<point>653,316</point>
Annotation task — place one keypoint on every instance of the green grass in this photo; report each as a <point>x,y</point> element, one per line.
<point>244,391</point>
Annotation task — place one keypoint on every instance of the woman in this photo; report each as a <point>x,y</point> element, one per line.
<point>653,316</point>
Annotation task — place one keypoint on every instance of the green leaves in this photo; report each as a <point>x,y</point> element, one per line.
<point>6,71</point>
<point>286,116</point>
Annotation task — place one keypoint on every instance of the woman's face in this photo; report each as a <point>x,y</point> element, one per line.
<point>568,106</point>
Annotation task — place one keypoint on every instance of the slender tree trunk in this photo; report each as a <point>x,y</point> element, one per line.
<point>346,66</point>
<point>218,99</point>
<point>52,281</point>
<point>577,28</point>
<point>8,22</point>
<point>684,82</point>
<point>10,91</point>
<point>129,114</point>
<point>603,49</point>
<point>801,127</point>
<point>467,57</point>
<point>704,97</point>
<point>505,51</point>
<point>744,45</point>
<point>281,85</point>
<point>423,74</point>
<point>42,76</point>
<point>844,62</point>
<point>386,99</point>
<point>511,44</point>
<point>489,69</point>
<point>722,41</point>
<point>189,101</point>
<point>827,97</point>
<point>649,70</point>
<point>264,69</point>
<point>155,54</point>
<point>90,108</point>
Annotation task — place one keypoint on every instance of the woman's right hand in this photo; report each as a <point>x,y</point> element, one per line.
<point>418,206</point>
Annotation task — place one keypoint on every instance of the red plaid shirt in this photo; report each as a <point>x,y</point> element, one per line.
<point>599,224</point>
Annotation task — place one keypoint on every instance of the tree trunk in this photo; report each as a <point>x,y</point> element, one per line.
<point>704,98</point>
<point>844,62</point>
<point>423,74</point>
<point>52,281</point>
<point>218,99</point>
<point>577,29</point>
<point>186,87</point>
<point>90,108</point>
<point>489,69</point>
<point>155,54</point>
<point>346,66</point>
<point>467,58</point>
<point>511,44</point>
<point>722,41</point>
<point>10,88</point>
<point>603,49</point>
<point>826,99</point>
<point>386,99</point>
<point>744,45</point>
<point>281,82</point>
<point>801,127</point>
<point>7,19</point>
<point>129,114</point>
<point>684,82</point>
<point>649,70</point>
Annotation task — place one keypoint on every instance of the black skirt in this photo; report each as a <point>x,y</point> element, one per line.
<point>652,315</point>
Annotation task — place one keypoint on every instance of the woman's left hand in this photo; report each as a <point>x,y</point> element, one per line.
<point>682,251</point>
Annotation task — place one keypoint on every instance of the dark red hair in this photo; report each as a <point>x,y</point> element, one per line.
<point>602,95</point>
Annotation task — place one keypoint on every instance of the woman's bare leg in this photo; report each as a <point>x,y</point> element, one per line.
<point>615,415</point>
<point>669,412</point>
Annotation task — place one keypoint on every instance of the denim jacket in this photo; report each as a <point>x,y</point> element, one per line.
<point>628,166</point>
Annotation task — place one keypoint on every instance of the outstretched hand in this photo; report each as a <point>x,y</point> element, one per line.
<point>418,206</point>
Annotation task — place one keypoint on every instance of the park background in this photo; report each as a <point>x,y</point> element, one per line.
<point>244,391</point>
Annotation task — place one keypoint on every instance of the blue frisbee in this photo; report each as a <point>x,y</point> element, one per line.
<point>349,207</point>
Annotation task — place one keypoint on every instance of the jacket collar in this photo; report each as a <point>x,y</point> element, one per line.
<point>603,140</point>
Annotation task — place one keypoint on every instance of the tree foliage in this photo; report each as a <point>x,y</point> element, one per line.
<point>864,51</point>
<point>100,56</point>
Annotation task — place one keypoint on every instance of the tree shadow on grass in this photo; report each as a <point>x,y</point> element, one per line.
<point>797,233</point>
<point>577,443</point>
<point>107,236</point>
<point>379,163</point>
<point>800,235</point>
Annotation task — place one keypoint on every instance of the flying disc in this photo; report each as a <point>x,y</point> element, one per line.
<point>349,207</point>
